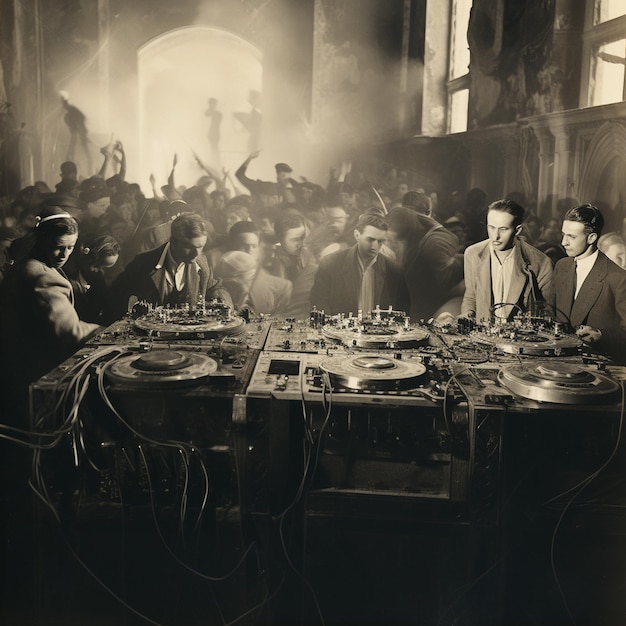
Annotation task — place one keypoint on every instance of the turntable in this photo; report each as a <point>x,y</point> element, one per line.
<point>563,383</point>
<point>182,324</point>
<point>373,372</point>
<point>531,342</point>
<point>376,336</point>
<point>161,369</point>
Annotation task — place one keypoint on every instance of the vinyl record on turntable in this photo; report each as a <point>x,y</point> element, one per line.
<point>534,343</point>
<point>560,383</point>
<point>185,326</point>
<point>372,372</point>
<point>161,368</point>
<point>375,337</point>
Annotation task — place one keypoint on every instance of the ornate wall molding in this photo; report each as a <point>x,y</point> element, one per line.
<point>608,142</point>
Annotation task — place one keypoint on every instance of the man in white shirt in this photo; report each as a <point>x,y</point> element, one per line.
<point>590,288</point>
<point>175,273</point>
<point>505,276</point>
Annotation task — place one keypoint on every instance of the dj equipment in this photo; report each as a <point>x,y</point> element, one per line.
<point>167,368</point>
<point>361,423</point>
<point>561,383</point>
<point>372,372</point>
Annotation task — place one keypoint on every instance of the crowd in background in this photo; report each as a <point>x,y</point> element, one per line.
<point>265,239</point>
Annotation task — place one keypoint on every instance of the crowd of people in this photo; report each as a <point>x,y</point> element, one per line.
<point>74,258</point>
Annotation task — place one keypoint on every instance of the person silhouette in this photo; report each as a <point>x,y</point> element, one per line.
<point>75,120</point>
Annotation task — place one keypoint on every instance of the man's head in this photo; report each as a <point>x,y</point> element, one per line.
<point>290,231</point>
<point>96,195</point>
<point>189,236</point>
<point>370,234</point>
<point>244,237</point>
<point>552,231</point>
<point>69,170</point>
<point>97,255</point>
<point>504,223</point>
<point>269,194</point>
<point>582,226</point>
<point>282,173</point>
<point>418,202</point>
<point>56,233</point>
<point>336,218</point>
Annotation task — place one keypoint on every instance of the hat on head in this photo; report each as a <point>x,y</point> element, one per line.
<point>283,167</point>
<point>235,264</point>
<point>94,188</point>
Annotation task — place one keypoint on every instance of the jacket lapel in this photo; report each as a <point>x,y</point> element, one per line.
<point>483,283</point>
<point>518,276</point>
<point>589,291</point>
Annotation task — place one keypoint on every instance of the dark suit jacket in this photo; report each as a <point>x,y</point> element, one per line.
<point>39,326</point>
<point>337,284</point>
<point>145,279</point>
<point>601,302</point>
<point>531,279</point>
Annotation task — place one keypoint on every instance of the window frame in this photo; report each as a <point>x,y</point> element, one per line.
<point>593,37</point>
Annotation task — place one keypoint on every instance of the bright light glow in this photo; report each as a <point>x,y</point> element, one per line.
<point>178,73</point>
<point>459,102</point>
<point>605,10</point>
<point>459,53</point>
<point>608,78</point>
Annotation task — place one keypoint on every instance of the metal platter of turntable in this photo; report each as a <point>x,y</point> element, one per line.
<point>185,326</point>
<point>376,337</point>
<point>372,372</point>
<point>535,343</point>
<point>161,369</point>
<point>561,383</point>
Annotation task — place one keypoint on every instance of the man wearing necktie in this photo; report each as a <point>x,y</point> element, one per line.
<point>590,288</point>
<point>175,273</point>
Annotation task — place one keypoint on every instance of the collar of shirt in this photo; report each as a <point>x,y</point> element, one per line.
<point>501,259</point>
<point>174,272</point>
<point>583,267</point>
<point>363,266</point>
<point>585,264</point>
<point>292,260</point>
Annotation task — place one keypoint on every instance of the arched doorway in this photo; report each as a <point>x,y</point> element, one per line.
<point>178,73</point>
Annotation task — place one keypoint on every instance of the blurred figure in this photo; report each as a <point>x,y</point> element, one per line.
<point>473,213</point>
<point>614,247</point>
<point>330,234</point>
<point>75,120</point>
<point>215,123</point>
<point>251,286</point>
<point>293,261</point>
<point>69,178</point>
<point>96,198</point>
<point>252,120</point>
<point>532,229</point>
<point>86,272</point>
<point>550,241</point>
<point>428,255</point>
<point>417,201</point>
<point>459,230</point>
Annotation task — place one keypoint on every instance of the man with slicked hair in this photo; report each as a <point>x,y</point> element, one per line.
<point>590,288</point>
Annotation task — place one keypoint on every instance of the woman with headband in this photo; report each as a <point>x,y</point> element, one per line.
<point>39,324</point>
